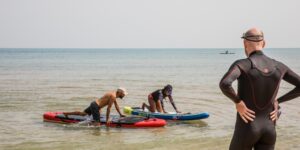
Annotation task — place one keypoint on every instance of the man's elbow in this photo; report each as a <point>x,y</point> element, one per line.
<point>224,85</point>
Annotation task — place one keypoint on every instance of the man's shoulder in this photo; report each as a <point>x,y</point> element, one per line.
<point>280,65</point>
<point>110,94</point>
<point>242,63</point>
<point>276,62</point>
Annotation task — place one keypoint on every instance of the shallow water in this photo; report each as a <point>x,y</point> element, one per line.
<point>33,81</point>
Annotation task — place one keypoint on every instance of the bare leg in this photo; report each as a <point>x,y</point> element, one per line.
<point>158,106</point>
<point>75,113</point>
<point>152,106</point>
<point>145,105</point>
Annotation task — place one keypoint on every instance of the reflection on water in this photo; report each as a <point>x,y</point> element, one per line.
<point>35,81</point>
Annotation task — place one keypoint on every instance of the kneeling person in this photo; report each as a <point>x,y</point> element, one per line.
<point>156,98</point>
<point>95,107</point>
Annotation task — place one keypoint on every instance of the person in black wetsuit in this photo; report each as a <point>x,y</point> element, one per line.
<point>258,78</point>
<point>156,98</point>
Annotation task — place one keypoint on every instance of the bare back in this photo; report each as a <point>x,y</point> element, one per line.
<point>107,98</point>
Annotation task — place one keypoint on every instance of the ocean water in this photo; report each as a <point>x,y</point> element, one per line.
<point>33,81</point>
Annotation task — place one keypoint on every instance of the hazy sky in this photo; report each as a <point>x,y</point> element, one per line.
<point>146,23</point>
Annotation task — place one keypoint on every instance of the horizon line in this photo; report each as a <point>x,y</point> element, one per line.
<point>139,48</point>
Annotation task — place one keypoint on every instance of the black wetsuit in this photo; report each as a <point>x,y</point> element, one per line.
<point>159,96</point>
<point>93,110</point>
<point>258,81</point>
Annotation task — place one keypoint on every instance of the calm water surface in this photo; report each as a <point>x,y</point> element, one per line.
<point>33,81</point>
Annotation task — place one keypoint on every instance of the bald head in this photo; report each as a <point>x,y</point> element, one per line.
<point>253,40</point>
<point>254,31</point>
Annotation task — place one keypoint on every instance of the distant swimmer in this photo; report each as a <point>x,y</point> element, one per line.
<point>156,98</point>
<point>95,107</point>
<point>258,77</point>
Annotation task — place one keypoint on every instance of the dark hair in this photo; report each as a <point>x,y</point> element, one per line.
<point>168,88</point>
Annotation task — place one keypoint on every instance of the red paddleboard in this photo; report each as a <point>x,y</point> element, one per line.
<point>126,122</point>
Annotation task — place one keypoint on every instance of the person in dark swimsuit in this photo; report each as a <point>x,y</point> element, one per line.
<point>258,78</point>
<point>156,98</point>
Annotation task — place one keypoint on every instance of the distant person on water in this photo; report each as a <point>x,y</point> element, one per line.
<point>95,107</point>
<point>156,98</point>
<point>258,79</point>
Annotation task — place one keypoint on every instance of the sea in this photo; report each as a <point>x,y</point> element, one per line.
<point>38,80</point>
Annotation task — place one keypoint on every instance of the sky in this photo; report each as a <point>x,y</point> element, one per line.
<point>146,23</point>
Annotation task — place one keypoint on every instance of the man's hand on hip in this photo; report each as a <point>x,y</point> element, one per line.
<point>245,113</point>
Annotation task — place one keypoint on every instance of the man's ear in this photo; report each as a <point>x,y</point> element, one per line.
<point>264,44</point>
<point>245,44</point>
<point>245,48</point>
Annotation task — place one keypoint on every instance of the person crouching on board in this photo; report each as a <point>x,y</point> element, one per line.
<point>156,98</point>
<point>95,107</point>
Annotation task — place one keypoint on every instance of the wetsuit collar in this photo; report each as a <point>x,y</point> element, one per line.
<point>259,52</point>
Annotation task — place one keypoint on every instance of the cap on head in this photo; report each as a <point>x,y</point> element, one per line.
<point>122,90</point>
<point>254,35</point>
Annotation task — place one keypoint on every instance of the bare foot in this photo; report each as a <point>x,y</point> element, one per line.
<point>66,115</point>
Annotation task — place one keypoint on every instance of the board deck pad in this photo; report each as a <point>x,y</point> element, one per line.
<point>167,116</point>
<point>114,118</point>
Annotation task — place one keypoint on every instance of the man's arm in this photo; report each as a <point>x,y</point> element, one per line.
<point>226,83</point>
<point>226,87</point>
<point>117,108</point>
<point>111,101</point>
<point>294,79</point>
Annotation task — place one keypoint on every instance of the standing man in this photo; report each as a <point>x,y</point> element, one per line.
<point>258,78</point>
